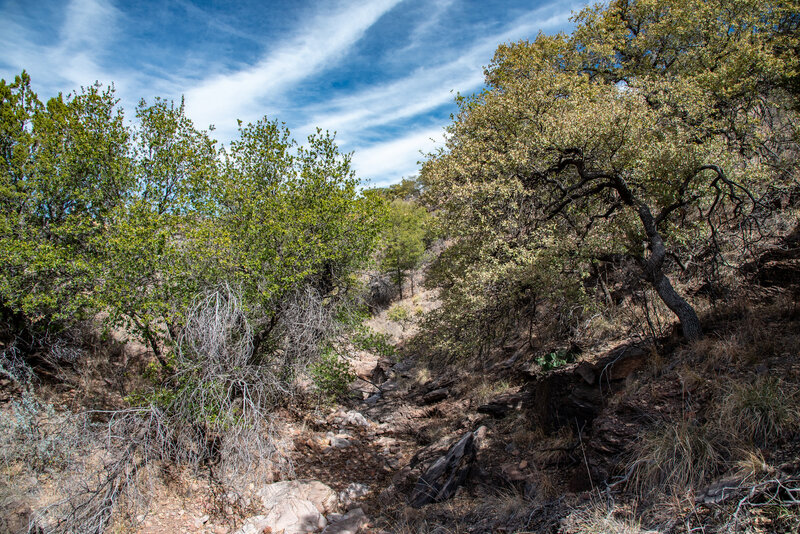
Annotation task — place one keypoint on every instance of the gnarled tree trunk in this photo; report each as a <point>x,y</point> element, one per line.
<point>653,271</point>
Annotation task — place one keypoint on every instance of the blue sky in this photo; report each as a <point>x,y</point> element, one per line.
<point>381,73</point>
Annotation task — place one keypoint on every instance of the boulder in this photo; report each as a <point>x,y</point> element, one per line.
<point>364,367</point>
<point>295,516</point>
<point>575,394</point>
<point>289,516</point>
<point>320,495</point>
<point>254,525</point>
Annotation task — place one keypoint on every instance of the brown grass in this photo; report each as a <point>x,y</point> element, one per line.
<point>675,457</point>
<point>758,412</point>
<point>598,518</point>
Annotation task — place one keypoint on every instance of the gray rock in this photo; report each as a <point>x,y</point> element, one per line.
<point>320,495</point>
<point>290,515</point>
<point>295,516</point>
<point>373,399</point>
<point>352,493</point>
<point>350,523</point>
<point>338,441</point>
<point>253,525</point>
<point>446,474</point>
<point>356,419</point>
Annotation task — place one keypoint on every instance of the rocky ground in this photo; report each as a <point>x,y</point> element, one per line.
<point>499,445</point>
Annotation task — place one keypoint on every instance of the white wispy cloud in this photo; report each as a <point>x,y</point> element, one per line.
<point>427,87</point>
<point>88,25</point>
<point>388,161</point>
<point>66,45</point>
<point>422,91</point>
<point>247,93</point>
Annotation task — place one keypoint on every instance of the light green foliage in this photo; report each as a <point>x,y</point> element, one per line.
<point>555,359</point>
<point>64,171</point>
<point>332,374</point>
<point>403,239</point>
<point>643,133</point>
<point>399,313</point>
<point>138,221</point>
<point>361,336</point>
<point>149,277</point>
<point>365,338</point>
<point>408,189</point>
<point>295,211</point>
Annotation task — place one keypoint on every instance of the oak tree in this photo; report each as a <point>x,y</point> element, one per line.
<point>651,125</point>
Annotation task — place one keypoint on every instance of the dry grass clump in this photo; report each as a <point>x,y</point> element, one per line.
<point>674,457</point>
<point>487,389</point>
<point>555,448</point>
<point>750,339</point>
<point>508,505</point>
<point>37,435</point>
<point>601,519</point>
<point>758,412</point>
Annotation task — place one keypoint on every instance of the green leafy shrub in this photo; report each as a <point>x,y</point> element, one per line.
<point>403,240</point>
<point>332,374</point>
<point>555,359</point>
<point>399,313</point>
<point>378,343</point>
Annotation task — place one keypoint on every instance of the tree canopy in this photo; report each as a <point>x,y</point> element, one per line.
<point>136,220</point>
<point>651,127</point>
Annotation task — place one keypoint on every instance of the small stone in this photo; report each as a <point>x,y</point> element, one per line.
<point>338,441</point>
<point>435,396</point>
<point>512,472</point>
<point>350,523</point>
<point>356,419</point>
<point>352,493</point>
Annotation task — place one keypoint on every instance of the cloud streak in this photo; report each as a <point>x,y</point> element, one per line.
<point>382,73</point>
<point>386,162</point>
<point>229,96</point>
<point>358,115</point>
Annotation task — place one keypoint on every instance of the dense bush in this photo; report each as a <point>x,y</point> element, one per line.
<point>658,132</point>
<point>138,221</point>
<point>232,265</point>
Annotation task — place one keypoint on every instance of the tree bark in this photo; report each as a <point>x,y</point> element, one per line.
<point>655,275</point>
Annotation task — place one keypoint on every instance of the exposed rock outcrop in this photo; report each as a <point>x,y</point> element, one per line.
<point>441,480</point>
